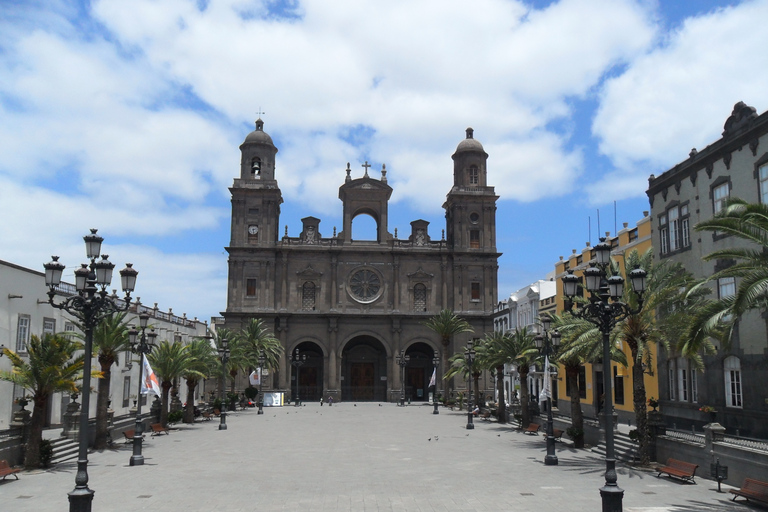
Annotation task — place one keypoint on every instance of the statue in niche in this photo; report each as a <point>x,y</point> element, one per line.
<point>420,238</point>
<point>309,237</point>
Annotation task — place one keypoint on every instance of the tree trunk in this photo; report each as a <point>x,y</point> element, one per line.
<point>476,378</point>
<point>501,410</point>
<point>102,404</point>
<point>232,374</point>
<point>641,412</point>
<point>189,411</point>
<point>444,363</point>
<point>524,398</point>
<point>577,418</point>
<point>32,456</point>
<point>164,403</point>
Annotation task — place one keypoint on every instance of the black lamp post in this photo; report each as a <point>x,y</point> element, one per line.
<point>262,360</point>
<point>547,344</point>
<point>297,361</point>
<point>224,356</point>
<point>142,347</point>
<point>90,305</point>
<point>469,356</point>
<point>402,360</point>
<point>435,363</point>
<point>605,310</point>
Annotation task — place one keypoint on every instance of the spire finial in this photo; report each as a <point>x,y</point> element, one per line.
<point>384,173</point>
<point>470,133</point>
<point>349,174</point>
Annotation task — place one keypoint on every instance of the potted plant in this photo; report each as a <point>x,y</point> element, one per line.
<point>709,410</point>
<point>653,403</point>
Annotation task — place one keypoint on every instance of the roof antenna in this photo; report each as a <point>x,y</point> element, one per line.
<point>615,229</point>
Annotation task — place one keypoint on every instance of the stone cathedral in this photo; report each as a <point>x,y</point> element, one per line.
<point>352,305</point>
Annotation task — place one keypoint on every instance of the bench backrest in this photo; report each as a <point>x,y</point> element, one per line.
<point>753,485</point>
<point>4,464</point>
<point>682,466</point>
<point>533,427</point>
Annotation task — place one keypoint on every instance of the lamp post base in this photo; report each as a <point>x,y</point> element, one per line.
<point>612,496</point>
<point>136,460</point>
<point>436,411</point>
<point>550,460</point>
<point>223,422</point>
<point>470,424</point>
<point>80,500</point>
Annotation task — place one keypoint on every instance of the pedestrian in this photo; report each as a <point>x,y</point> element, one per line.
<point>330,401</point>
<point>321,401</point>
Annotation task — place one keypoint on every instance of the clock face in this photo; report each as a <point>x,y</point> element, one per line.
<point>252,230</point>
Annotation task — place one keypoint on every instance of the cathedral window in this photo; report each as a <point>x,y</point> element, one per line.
<point>474,175</point>
<point>308,296</point>
<point>475,290</point>
<point>474,239</point>
<point>250,287</point>
<point>419,297</point>
<point>256,168</point>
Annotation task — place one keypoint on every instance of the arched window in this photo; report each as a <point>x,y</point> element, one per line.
<point>256,167</point>
<point>308,296</point>
<point>419,297</point>
<point>732,369</point>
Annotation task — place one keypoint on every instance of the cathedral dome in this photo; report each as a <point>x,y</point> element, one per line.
<point>258,136</point>
<point>470,143</point>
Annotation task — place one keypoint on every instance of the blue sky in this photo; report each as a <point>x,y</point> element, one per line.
<point>127,116</point>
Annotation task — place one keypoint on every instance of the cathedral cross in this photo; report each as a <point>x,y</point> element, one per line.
<point>366,165</point>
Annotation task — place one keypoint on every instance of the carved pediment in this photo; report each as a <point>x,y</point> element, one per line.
<point>420,275</point>
<point>309,273</point>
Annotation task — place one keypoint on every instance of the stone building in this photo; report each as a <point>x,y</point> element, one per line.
<point>352,305</point>
<point>692,191</point>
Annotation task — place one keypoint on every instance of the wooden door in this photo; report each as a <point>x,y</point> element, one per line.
<point>362,381</point>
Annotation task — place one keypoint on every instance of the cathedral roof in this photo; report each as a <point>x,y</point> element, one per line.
<point>470,143</point>
<point>258,136</point>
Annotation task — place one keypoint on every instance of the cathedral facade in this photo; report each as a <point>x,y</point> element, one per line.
<point>350,306</point>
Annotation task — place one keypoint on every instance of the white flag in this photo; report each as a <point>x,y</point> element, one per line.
<point>255,377</point>
<point>546,391</point>
<point>433,380</point>
<point>150,383</point>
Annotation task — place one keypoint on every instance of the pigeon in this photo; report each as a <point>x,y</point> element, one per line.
<point>429,439</point>
<point>437,438</point>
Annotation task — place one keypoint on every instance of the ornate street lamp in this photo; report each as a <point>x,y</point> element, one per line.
<point>297,361</point>
<point>547,344</point>
<point>605,310</point>
<point>140,346</point>
<point>402,361</point>
<point>435,363</point>
<point>469,356</point>
<point>90,306</point>
<point>262,360</point>
<point>224,356</point>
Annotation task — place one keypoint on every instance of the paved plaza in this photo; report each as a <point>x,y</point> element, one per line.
<point>368,456</point>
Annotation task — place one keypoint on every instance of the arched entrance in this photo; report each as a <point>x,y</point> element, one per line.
<point>310,373</point>
<point>363,364</point>
<point>418,372</point>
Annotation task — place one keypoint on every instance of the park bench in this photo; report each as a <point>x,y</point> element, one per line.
<point>557,434</point>
<point>6,469</point>
<point>486,416</point>
<point>679,469</point>
<point>207,416</point>
<point>128,435</point>
<point>158,429</point>
<point>532,429</point>
<point>752,489</point>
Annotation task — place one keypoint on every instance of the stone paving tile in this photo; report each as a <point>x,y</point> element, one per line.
<point>364,457</point>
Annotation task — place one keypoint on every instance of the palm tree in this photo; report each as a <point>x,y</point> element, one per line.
<point>51,368</point>
<point>522,344</point>
<point>666,311</point>
<point>459,366</point>
<point>202,363</point>
<point>746,222</point>
<point>110,338</point>
<point>447,324</point>
<point>169,361</point>
<point>255,338</point>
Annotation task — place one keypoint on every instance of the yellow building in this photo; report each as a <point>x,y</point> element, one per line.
<point>591,380</point>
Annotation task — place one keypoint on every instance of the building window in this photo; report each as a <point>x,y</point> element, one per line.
<point>474,239</point>
<point>732,367</point>
<point>719,196</point>
<point>664,234</point>
<point>126,391</point>
<point>419,297</point>
<point>726,286</point>
<point>308,296</point>
<point>22,333</point>
<point>618,387</point>
<point>474,175</point>
<point>49,326</point>
<point>475,288</point>
<point>256,167</point>
<point>682,381</point>
<point>671,383</point>
<point>673,217</point>
<point>685,226</point>
<point>675,229</point>
<point>582,383</point>
<point>764,184</point>
<point>694,387</point>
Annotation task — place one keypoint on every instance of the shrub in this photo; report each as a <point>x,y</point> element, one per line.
<point>574,432</point>
<point>175,416</point>
<point>251,392</point>
<point>634,435</point>
<point>46,453</point>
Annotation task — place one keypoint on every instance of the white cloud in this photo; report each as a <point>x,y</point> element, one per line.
<point>679,95</point>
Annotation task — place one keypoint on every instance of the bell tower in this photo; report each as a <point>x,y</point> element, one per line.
<point>256,198</point>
